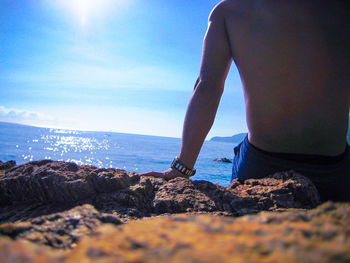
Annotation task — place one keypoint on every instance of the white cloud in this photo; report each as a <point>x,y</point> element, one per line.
<point>23,116</point>
<point>104,118</point>
<point>115,118</point>
<point>17,113</point>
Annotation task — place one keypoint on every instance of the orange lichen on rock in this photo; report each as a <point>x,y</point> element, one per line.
<point>23,251</point>
<point>296,236</point>
<point>318,235</point>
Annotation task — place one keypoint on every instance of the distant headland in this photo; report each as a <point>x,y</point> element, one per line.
<point>233,139</point>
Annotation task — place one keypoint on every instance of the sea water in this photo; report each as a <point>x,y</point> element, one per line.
<point>130,152</point>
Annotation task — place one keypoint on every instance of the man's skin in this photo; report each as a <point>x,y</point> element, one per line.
<point>293,58</point>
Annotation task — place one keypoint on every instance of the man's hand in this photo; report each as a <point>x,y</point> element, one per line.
<point>167,175</point>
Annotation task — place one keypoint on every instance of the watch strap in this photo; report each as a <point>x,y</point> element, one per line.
<point>179,166</point>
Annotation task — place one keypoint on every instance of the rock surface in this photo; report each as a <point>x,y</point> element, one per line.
<point>319,235</point>
<point>46,187</point>
<point>59,230</point>
<point>62,212</point>
<point>7,165</point>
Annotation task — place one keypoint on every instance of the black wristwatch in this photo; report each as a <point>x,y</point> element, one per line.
<point>179,166</point>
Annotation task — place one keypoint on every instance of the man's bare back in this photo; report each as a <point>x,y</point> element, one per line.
<point>295,77</point>
<point>294,60</point>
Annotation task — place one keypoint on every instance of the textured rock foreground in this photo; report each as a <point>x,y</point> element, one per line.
<point>62,212</point>
<point>319,235</point>
<point>44,187</point>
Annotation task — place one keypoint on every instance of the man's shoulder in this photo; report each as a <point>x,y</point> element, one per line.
<point>227,7</point>
<point>226,4</point>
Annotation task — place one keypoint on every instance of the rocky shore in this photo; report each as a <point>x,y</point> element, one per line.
<point>61,212</point>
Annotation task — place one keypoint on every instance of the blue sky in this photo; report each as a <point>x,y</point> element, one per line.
<point>113,65</point>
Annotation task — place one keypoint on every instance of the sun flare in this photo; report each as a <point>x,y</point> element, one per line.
<point>84,10</point>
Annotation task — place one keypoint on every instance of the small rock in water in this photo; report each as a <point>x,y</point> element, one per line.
<point>223,160</point>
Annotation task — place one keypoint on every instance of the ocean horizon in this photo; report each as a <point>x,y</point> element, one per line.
<point>130,152</point>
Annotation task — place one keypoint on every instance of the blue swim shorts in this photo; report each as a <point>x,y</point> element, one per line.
<point>331,175</point>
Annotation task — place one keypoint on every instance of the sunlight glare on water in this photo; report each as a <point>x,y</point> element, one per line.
<point>61,142</point>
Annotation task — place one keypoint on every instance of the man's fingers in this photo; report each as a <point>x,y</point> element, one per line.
<point>167,175</point>
<point>154,174</point>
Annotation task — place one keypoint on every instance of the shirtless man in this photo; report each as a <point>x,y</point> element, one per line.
<point>294,61</point>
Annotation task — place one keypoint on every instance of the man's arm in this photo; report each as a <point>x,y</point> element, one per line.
<point>202,108</point>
